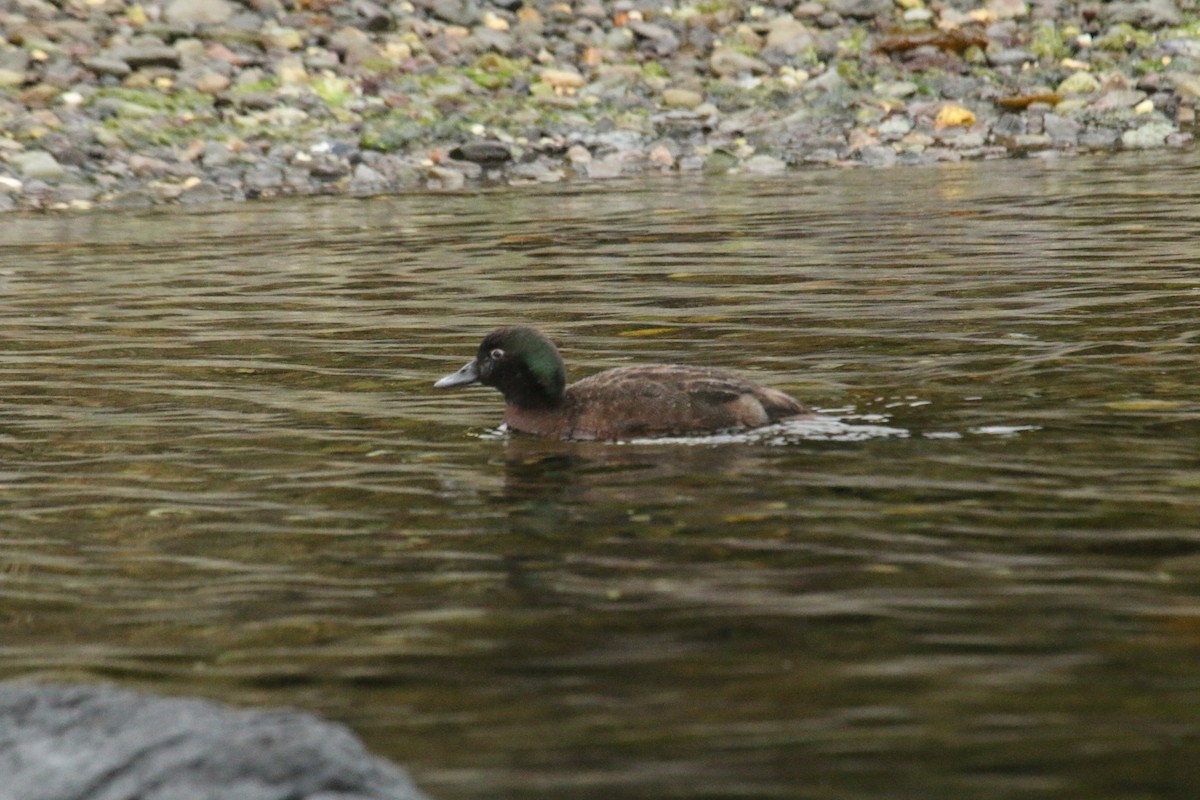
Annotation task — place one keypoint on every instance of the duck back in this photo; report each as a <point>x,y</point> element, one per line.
<point>657,400</point>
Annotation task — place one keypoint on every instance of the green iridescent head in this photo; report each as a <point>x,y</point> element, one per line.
<point>522,363</point>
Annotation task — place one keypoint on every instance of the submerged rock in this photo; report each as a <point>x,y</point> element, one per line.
<point>81,742</point>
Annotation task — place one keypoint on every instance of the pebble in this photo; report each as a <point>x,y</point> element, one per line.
<point>485,153</point>
<point>763,164</point>
<point>681,98</point>
<point>107,65</point>
<point>877,156</point>
<point>1063,130</point>
<point>728,62</point>
<point>38,165</point>
<point>1079,83</point>
<point>562,78</point>
<point>198,12</point>
<point>1153,134</point>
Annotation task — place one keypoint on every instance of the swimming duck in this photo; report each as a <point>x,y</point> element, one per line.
<point>621,403</point>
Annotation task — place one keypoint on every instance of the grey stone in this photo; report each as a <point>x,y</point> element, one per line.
<point>1146,14</point>
<point>78,742</point>
<point>895,127</point>
<point>1181,47</point>
<point>145,55</point>
<point>764,164</point>
<point>199,12</point>
<point>216,154</point>
<point>264,179</point>
<point>789,36</point>
<point>456,12</point>
<point>728,62</point>
<point>1062,130</point>
<point>1009,125</point>
<point>1152,134</point>
<point>661,40</point>
<point>1010,57</point>
<point>14,58</point>
<point>106,65</point>
<point>485,152</point>
<point>861,9</point>
<point>439,178</point>
<point>1099,138</point>
<point>39,165</point>
<point>877,156</point>
<point>603,168</point>
<point>1117,99</point>
<point>202,193</point>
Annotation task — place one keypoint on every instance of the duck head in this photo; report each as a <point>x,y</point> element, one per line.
<point>522,363</point>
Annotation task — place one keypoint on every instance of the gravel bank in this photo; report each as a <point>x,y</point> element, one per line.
<point>122,104</point>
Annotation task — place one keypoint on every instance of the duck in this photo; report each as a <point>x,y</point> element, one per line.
<point>623,403</point>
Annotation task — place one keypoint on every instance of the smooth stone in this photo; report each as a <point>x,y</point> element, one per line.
<point>562,78</point>
<point>661,40</point>
<point>789,35</point>
<point>764,164</point>
<point>1009,125</point>
<point>1079,83</point>
<point>457,12</point>
<point>1146,14</point>
<point>1061,129</point>
<point>681,98</point>
<point>202,193</point>
<point>82,742</point>
<point>216,154</point>
<point>1118,99</point>
<point>1185,86</point>
<point>485,153</point>
<point>199,12</point>
<point>537,171</point>
<point>146,55</point>
<point>1099,139</point>
<point>210,82</point>
<point>896,89</point>
<point>439,178</point>
<point>39,165</point>
<point>282,38</point>
<point>728,62</point>
<point>1010,57</point>
<point>11,77</point>
<point>895,127</point>
<point>366,180</point>
<point>105,65</point>
<point>861,9</point>
<point>1153,134</point>
<point>719,162</point>
<point>1031,141</point>
<point>876,155</point>
<point>1008,9</point>
<point>605,168</point>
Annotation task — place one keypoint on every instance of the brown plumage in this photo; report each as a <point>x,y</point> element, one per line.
<point>621,403</point>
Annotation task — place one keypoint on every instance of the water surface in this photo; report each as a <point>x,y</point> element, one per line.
<point>225,473</point>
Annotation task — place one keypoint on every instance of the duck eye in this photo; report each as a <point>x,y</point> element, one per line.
<point>496,354</point>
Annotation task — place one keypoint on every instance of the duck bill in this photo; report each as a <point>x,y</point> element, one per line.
<point>468,374</point>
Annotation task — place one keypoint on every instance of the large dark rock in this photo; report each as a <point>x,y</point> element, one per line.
<point>81,742</point>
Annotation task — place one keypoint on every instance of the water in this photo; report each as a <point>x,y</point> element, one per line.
<point>225,473</point>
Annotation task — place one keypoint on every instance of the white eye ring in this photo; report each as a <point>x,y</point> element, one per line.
<point>496,354</point>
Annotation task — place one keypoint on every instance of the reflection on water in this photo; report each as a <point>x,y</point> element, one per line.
<point>225,473</point>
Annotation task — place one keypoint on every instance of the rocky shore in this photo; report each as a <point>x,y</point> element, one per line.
<point>125,104</point>
<point>97,742</point>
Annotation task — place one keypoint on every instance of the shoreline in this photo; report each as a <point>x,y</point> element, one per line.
<point>107,103</point>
